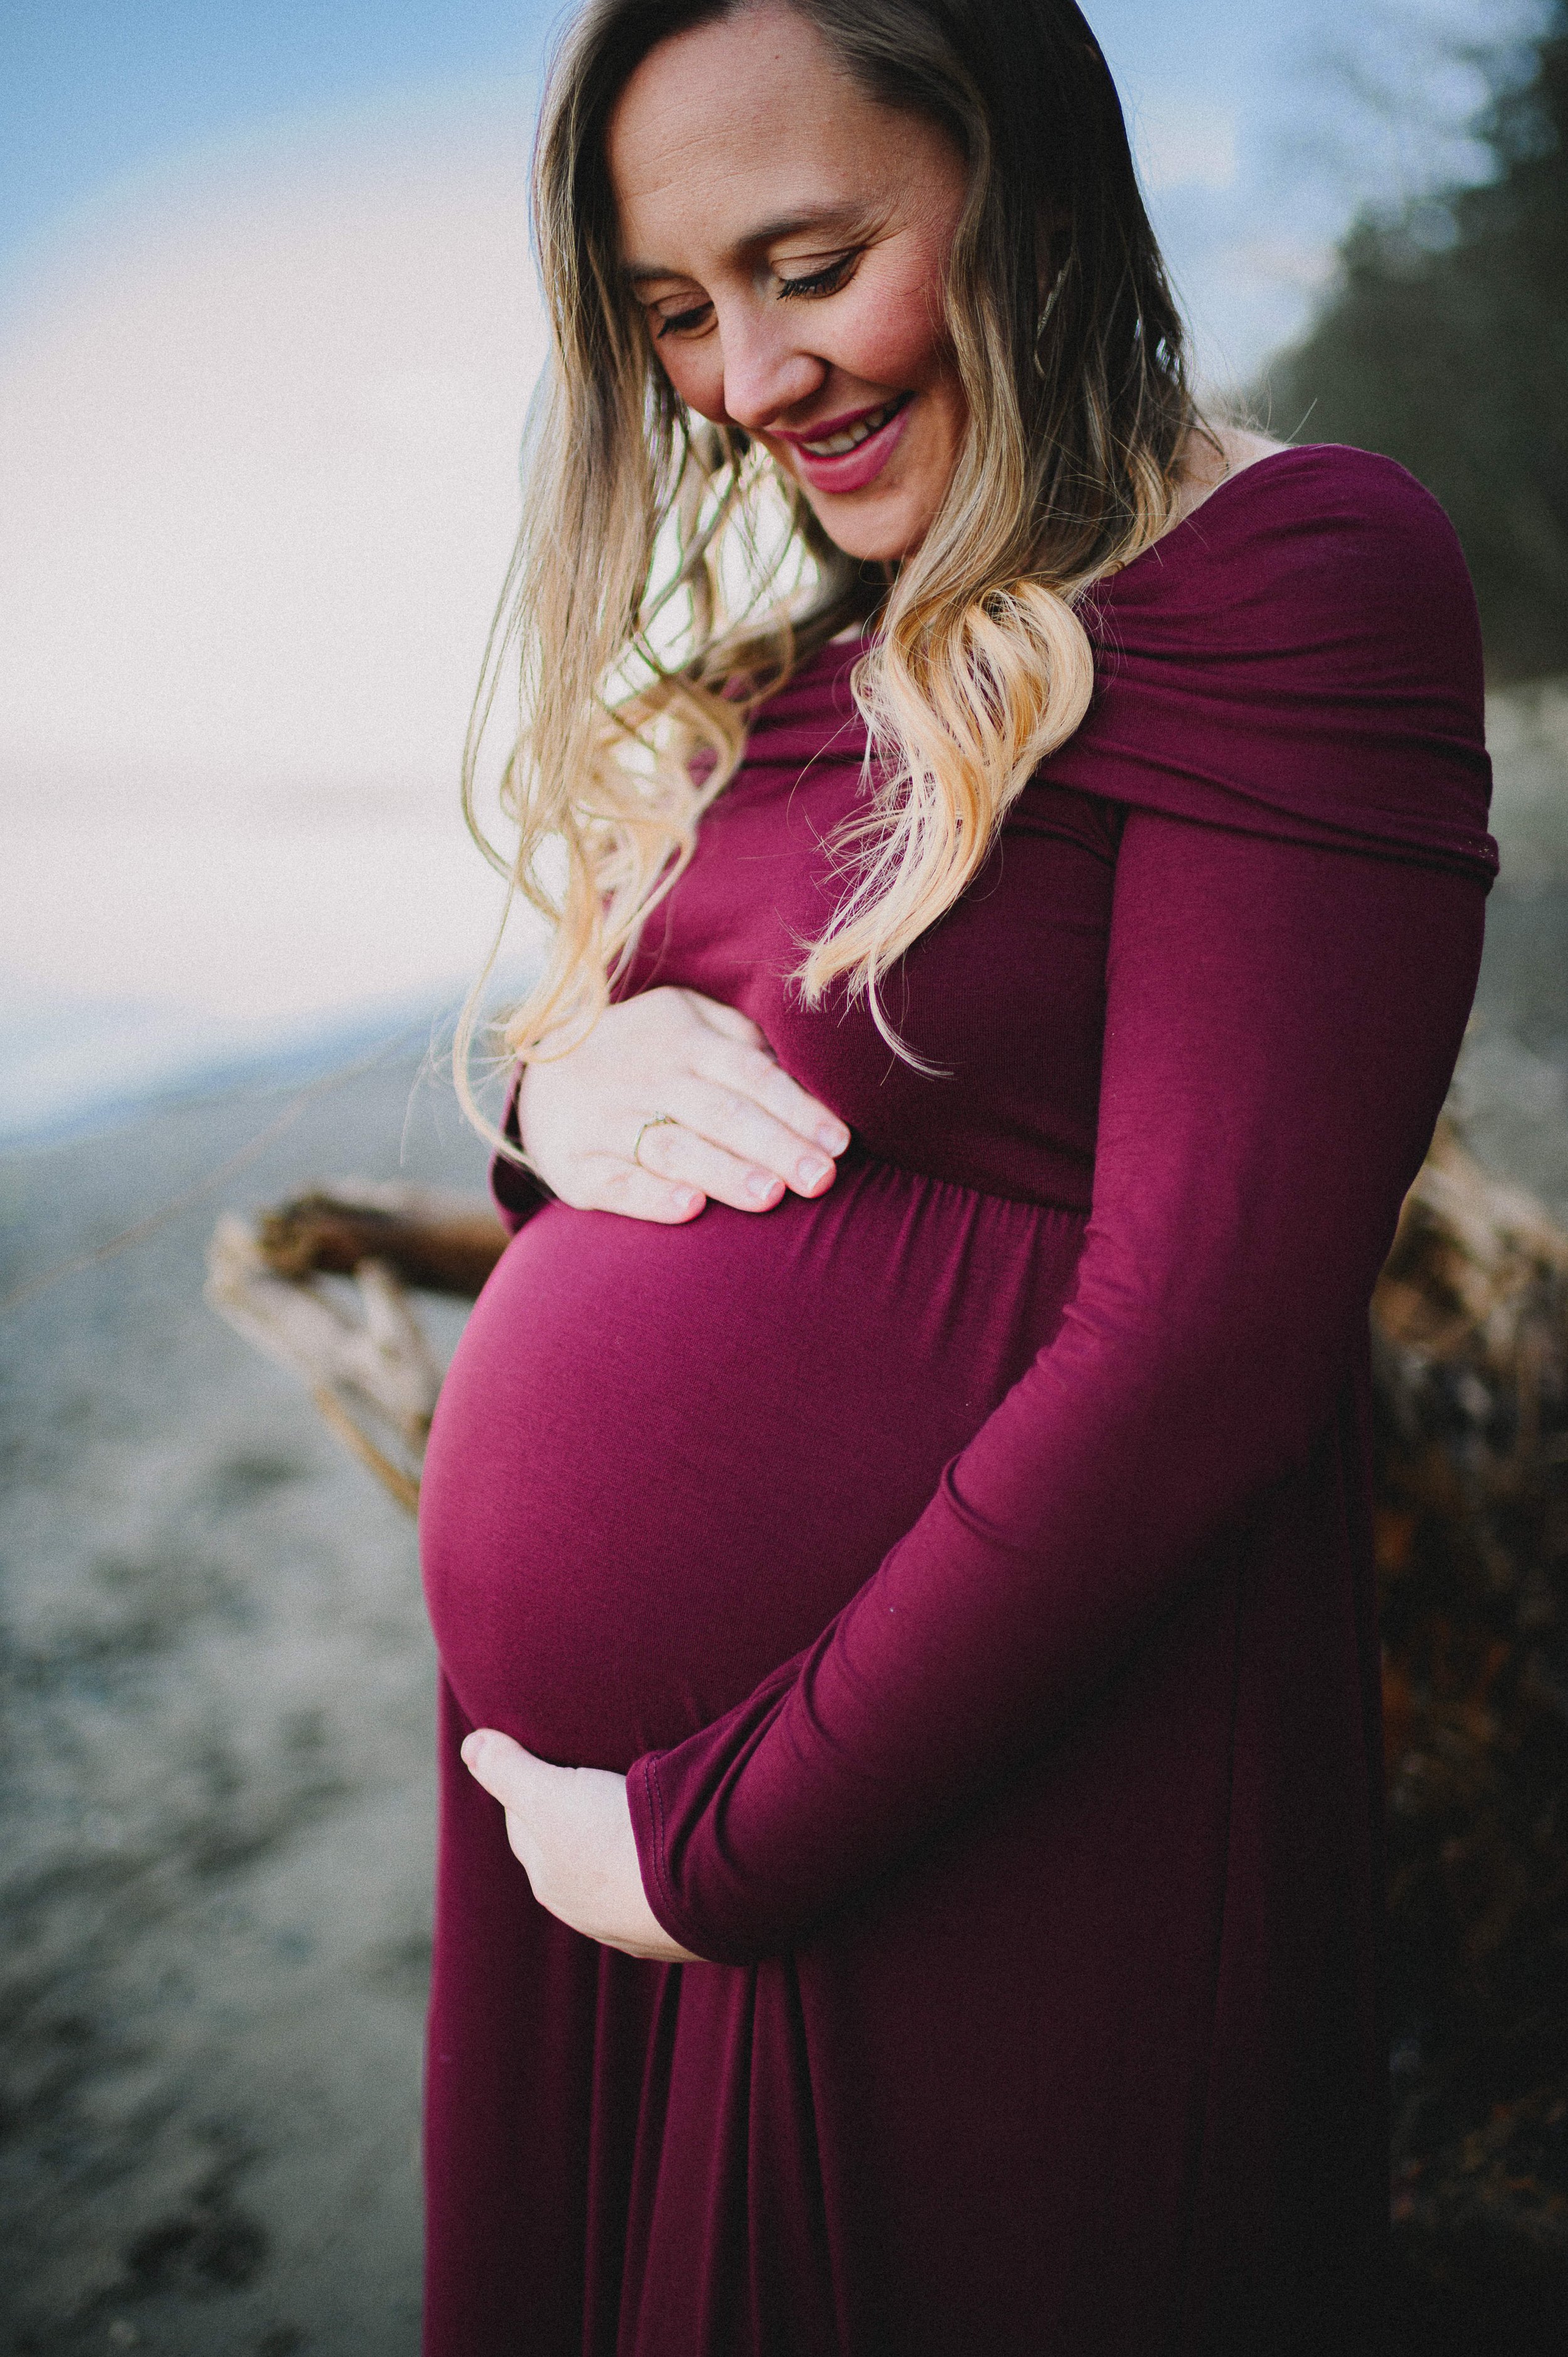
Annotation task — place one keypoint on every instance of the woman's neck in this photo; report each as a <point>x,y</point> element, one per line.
<point>1210,456</point>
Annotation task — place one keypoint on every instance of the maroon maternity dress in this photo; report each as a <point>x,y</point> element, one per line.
<point>971,1568</point>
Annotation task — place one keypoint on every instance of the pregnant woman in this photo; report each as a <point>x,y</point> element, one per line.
<point>897,1525</point>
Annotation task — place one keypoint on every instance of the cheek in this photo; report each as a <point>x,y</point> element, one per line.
<point>697,375</point>
<point>897,336</point>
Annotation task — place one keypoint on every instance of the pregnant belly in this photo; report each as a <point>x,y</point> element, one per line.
<point>663,1458</point>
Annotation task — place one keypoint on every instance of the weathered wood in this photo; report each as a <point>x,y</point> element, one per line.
<point>363,1357</point>
<point>437,1243</point>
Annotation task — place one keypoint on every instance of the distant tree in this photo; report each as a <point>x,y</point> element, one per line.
<point>1445,346</point>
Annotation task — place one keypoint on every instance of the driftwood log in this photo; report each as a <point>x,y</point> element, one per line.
<point>356,1347</point>
<point>434,1242</point>
<point>1470,1364</point>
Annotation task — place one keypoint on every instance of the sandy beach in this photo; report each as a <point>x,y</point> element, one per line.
<point>217,1778</point>
<point>217,1685</point>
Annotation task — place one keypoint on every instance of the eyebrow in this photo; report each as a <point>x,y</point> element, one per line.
<point>824,218</point>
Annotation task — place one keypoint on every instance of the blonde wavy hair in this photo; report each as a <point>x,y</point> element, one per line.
<point>669,576</point>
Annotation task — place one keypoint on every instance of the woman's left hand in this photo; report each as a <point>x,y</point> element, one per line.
<point>572,1829</point>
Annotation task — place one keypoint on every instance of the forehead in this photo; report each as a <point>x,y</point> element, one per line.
<point>747,122</point>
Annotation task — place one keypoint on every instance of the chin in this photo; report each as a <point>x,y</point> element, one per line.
<point>875,536</point>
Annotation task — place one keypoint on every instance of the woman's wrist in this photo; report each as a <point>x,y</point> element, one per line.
<point>516,1189</point>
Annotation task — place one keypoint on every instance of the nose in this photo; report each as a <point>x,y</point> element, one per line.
<point>768,370</point>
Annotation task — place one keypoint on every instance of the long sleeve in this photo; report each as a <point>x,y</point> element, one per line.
<point>1281,1023</point>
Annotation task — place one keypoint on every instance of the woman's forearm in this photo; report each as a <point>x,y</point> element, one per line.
<point>1280,1027</point>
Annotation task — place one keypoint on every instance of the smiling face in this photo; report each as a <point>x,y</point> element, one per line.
<point>787,239</point>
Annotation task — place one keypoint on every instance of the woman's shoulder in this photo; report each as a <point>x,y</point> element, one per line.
<point>1289,474</point>
<point>1354,500</point>
<point>1299,656</point>
<point>1308,513</point>
<point>1314,554</point>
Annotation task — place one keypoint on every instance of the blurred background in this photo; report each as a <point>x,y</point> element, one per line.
<point>268,327</point>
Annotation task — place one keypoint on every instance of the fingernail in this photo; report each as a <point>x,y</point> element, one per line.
<point>811,1173</point>
<point>834,1136</point>
<point>468,1751</point>
<point>686,1203</point>
<point>762,1183</point>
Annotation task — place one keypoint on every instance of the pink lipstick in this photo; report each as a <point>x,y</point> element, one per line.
<point>866,440</point>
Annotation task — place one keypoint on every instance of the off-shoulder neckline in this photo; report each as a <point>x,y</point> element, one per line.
<point>1226,490</point>
<point>1227,483</point>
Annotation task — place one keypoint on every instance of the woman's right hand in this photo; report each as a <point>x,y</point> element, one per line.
<point>739,1129</point>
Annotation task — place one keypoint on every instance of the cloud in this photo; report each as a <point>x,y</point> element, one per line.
<point>258,474</point>
<point>258,454</point>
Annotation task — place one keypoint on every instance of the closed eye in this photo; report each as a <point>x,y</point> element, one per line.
<point>682,323</point>
<point>826,281</point>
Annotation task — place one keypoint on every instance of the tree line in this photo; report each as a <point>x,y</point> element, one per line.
<point>1445,346</point>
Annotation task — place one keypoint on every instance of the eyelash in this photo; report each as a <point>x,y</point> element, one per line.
<point>678,320</point>
<point>819,282</point>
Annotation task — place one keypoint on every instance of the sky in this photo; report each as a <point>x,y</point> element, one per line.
<point>267,331</point>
